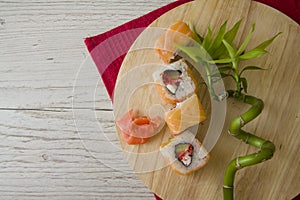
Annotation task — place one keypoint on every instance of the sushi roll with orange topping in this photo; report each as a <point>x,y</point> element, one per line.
<point>186,114</point>
<point>179,33</point>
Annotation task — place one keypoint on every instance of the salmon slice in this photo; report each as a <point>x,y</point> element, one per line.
<point>176,33</point>
<point>131,140</point>
<point>138,130</point>
<point>186,114</point>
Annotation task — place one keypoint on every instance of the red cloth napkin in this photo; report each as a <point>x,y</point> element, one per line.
<point>108,53</point>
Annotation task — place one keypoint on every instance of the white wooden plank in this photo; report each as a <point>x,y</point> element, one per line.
<point>43,153</point>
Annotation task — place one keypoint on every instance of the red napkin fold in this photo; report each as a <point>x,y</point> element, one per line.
<point>109,49</point>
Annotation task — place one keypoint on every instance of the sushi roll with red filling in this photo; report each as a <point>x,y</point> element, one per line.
<point>185,153</point>
<point>175,82</point>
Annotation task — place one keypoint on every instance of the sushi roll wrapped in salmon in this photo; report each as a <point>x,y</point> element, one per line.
<point>185,153</point>
<point>186,114</point>
<point>179,33</point>
<point>174,82</point>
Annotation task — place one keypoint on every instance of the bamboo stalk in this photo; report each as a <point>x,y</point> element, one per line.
<point>230,55</point>
<point>267,148</point>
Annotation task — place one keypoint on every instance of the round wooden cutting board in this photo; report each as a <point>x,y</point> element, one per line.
<point>278,87</point>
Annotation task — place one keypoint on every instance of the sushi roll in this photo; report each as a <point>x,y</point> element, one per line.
<point>174,82</point>
<point>179,33</point>
<point>185,153</point>
<point>138,129</point>
<point>186,114</point>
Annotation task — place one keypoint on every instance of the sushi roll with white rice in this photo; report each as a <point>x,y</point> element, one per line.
<point>174,82</point>
<point>185,153</point>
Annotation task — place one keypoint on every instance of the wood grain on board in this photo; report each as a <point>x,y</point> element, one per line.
<point>278,87</point>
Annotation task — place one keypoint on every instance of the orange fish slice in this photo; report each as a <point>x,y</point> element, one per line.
<point>186,114</point>
<point>176,33</point>
<point>137,130</point>
<point>131,140</point>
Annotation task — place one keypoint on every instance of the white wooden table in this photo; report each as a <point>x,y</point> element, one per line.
<point>57,137</point>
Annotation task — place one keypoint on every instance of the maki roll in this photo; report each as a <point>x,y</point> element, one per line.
<point>174,82</point>
<point>186,114</point>
<point>179,33</point>
<point>185,153</point>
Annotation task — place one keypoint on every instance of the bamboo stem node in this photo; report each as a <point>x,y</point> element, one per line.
<point>227,187</point>
<point>242,121</point>
<point>233,134</point>
<point>237,164</point>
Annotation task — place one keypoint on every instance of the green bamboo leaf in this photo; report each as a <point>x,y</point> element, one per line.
<point>197,37</point>
<point>190,51</point>
<point>244,84</point>
<point>254,53</point>
<point>216,43</point>
<point>230,35</point>
<point>221,61</point>
<point>251,68</point>
<point>246,41</point>
<point>224,69</point>
<point>220,53</point>
<point>196,53</point>
<point>260,49</point>
<point>207,38</point>
<point>230,49</point>
<point>266,43</point>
